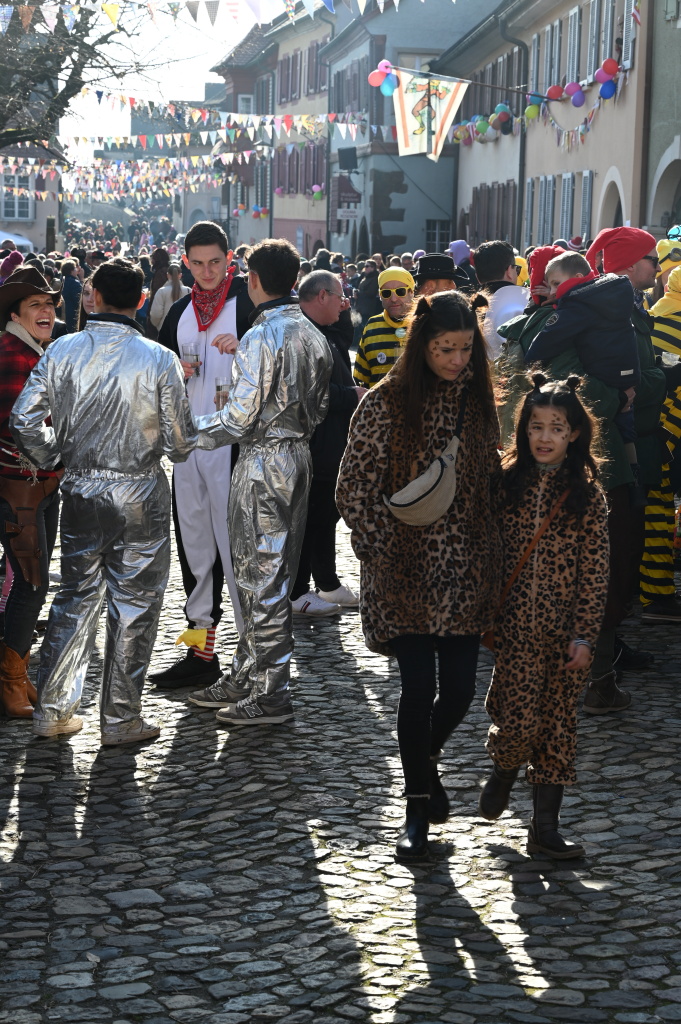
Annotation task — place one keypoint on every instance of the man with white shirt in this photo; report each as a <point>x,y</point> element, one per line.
<point>208,322</point>
<point>497,273</point>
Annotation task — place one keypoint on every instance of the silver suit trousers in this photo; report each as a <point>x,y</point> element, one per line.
<point>267,512</point>
<point>115,542</point>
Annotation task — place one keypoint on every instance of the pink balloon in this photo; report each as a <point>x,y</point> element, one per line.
<point>385,66</point>
<point>376,78</point>
<point>572,87</point>
<point>602,76</point>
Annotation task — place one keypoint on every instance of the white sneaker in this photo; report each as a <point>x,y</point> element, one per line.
<point>313,606</point>
<point>63,727</point>
<point>343,596</point>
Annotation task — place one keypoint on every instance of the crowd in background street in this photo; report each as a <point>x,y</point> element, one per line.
<point>497,430</point>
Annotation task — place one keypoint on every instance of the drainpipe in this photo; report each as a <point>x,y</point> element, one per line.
<point>524,67</point>
<point>270,190</point>
<point>323,16</point>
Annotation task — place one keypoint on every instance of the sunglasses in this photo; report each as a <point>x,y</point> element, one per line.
<point>387,292</point>
<point>652,259</point>
<point>674,255</point>
<point>518,269</point>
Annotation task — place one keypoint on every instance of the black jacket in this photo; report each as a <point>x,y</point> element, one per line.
<point>328,442</point>
<point>244,307</point>
<point>595,319</point>
<point>368,303</point>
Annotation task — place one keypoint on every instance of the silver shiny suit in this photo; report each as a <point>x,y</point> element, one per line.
<point>117,403</point>
<point>279,394</point>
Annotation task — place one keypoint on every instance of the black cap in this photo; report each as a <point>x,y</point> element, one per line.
<point>435,266</point>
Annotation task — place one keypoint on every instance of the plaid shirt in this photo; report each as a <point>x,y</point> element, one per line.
<point>16,362</point>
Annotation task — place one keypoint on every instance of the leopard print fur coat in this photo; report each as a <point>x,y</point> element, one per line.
<point>441,579</point>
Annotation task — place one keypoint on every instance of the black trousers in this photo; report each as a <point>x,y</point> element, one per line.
<point>318,556</point>
<point>432,703</point>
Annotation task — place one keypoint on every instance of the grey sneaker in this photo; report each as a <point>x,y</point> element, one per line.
<point>219,695</point>
<point>136,731</point>
<point>256,711</point>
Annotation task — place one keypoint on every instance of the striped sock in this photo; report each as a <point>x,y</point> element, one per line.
<point>207,653</point>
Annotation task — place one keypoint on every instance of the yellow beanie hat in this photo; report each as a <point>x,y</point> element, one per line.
<point>395,274</point>
<point>664,248</point>
<point>674,281</point>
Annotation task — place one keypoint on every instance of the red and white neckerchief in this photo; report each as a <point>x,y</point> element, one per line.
<point>208,304</point>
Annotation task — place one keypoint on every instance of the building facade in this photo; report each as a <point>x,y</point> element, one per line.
<point>30,218</point>
<point>574,169</point>
<point>664,148</point>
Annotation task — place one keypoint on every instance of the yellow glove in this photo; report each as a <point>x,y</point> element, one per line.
<point>193,638</point>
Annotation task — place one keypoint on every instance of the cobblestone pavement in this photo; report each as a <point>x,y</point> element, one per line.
<point>247,875</point>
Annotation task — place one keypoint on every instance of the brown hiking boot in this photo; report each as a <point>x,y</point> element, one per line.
<point>13,683</point>
<point>603,696</point>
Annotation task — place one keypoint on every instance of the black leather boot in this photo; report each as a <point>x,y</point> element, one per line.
<point>543,835</point>
<point>496,792</point>
<point>438,805</point>
<point>412,844</point>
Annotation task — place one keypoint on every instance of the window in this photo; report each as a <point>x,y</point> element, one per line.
<point>573,44</point>
<point>547,193</point>
<point>16,207</point>
<point>262,181</point>
<point>295,75</point>
<point>628,35</point>
<point>534,68</point>
<point>567,196</point>
<point>264,95</point>
<point>437,235</point>
<point>557,39</point>
<point>284,79</point>
<point>671,9</point>
<point>529,212</point>
<point>592,61</point>
<point>587,193</point>
<point>608,29</point>
<point>312,76</point>
<point>244,104</point>
<point>324,69</point>
<point>548,57</point>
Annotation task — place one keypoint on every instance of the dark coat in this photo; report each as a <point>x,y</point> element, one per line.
<point>71,291</point>
<point>595,318</point>
<point>368,303</point>
<point>327,444</point>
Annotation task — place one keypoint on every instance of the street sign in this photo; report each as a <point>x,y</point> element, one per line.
<point>348,214</point>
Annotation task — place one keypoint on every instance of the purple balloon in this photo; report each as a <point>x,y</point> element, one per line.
<point>608,89</point>
<point>602,76</point>
<point>572,87</point>
<point>577,99</point>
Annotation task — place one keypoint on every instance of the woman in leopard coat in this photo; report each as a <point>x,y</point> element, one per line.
<point>426,589</point>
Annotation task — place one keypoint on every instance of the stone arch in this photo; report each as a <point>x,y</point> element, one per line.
<point>363,237</point>
<point>665,186</point>
<point>612,212</point>
<point>195,216</point>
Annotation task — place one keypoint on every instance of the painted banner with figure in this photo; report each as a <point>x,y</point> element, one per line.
<point>424,111</point>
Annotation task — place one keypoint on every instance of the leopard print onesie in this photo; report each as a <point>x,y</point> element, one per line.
<point>558,597</point>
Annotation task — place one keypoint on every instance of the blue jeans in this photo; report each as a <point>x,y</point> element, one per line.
<point>25,601</point>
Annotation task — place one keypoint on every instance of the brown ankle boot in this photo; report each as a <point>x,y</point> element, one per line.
<point>31,691</point>
<point>13,680</point>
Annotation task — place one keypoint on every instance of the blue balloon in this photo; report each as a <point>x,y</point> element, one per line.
<point>386,86</point>
<point>607,90</point>
<point>536,98</point>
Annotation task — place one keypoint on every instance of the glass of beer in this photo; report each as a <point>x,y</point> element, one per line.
<point>190,355</point>
<point>222,385</point>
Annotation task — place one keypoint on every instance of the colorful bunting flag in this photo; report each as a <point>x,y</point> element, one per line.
<point>6,11</point>
<point>212,9</point>
<point>112,12</point>
<point>193,8</point>
<point>50,12</point>
<point>26,16</point>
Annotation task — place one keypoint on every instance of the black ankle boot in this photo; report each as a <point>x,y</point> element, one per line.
<point>543,835</point>
<point>438,805</point>
<point>412,844</point>
<point>496,792</point>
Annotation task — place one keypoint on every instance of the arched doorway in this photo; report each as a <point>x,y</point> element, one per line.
<point>195,216</point>
<point>664,207</point>
<point>611,208</point>
<point>353,241</point>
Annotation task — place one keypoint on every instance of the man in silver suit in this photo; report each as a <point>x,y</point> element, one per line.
<point>117,404</point>
<point>279,393</point>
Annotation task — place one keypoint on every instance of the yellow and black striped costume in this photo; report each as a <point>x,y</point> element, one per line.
<point>379,348</point>
<point>657,566</point>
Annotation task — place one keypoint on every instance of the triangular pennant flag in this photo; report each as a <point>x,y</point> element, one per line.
<point>309,7</point>
<point>69,13</point>
<point>26,15</point>
<point>193,8</point>
<point>143,141</point>
<point>381,5</point>
<point>174,8</point>
<point>112,11</point>
<point>151,7</point>
<point>212,9</point>
<point>329,5</point>
<point>6,11</point>
<point>49,12</point>
<point>255,7</point>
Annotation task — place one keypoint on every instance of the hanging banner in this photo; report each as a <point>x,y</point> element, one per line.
<point>424,111</point>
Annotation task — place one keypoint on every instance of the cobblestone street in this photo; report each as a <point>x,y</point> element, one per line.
<point>245,876</point>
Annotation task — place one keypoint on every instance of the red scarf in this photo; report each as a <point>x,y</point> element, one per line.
<point>208,304</point>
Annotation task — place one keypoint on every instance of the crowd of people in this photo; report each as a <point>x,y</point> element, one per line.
<point>501,448</point>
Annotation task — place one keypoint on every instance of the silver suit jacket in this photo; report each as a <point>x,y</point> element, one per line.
<point>117,402</point>
<point>280,383</point>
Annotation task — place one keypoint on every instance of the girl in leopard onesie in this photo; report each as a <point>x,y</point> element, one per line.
<point>546,628</point>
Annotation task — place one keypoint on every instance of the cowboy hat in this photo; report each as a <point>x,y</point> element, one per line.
<point>21,283</point>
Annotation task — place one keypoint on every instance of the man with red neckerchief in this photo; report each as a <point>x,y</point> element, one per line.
<point>210,321</point>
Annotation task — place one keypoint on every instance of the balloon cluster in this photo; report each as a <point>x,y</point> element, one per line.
<point>485,127</point>
<point>239,211</point>
<point>317,191</point>
<point>604,76</point>
<point>383,78</point>
<point>260,212</point>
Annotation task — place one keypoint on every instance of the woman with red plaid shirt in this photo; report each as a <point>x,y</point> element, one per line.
<point>29,498</point>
